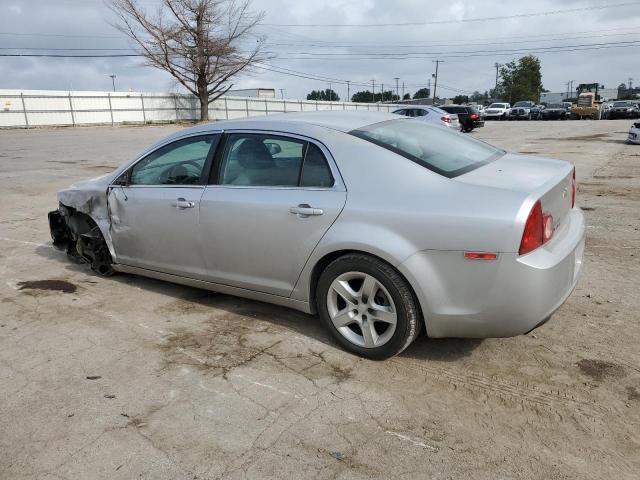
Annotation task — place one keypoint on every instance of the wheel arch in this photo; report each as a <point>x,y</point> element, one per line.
<point>322,263</point>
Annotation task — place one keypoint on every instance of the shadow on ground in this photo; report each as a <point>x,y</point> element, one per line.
<point>189,299</point>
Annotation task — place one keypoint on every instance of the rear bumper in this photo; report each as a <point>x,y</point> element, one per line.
<point>506,297</point>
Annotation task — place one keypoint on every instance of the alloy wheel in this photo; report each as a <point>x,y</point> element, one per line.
<point>361,309</point>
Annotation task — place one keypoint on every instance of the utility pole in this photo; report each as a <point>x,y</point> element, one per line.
<point>330,92</point>
<point>568,83</point>
<point>382,94</point>
<point>397,89</point>
<point>495,92</point>
<point>403,89</point>
<point>113,81</point>
<point>373,94</point>
<point>282,93</point>
<point>348,91</point>
<point>429,87</point>
<point>630,83</point>
<point>572,87</point>
<point>435,86</point>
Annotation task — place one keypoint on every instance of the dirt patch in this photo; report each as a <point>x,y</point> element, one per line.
<point>600,369</point>
<point>600,189</point>
<point>633,394</point>
<point>233,341</point>
<point>587,209</point>
<point>595,136</point>
<point>50,285</point>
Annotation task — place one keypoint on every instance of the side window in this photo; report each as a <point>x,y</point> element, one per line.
<point>421,113</point>
<point>315,171</point>
<point>262,160</point>
<point>179,163</point>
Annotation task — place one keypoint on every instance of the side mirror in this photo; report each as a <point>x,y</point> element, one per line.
<point>122,180</point>
<point>273,148</point>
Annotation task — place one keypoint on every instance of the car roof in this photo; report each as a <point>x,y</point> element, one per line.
<point>344,121</point>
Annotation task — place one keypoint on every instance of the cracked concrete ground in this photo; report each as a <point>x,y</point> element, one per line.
<point>127,377</point>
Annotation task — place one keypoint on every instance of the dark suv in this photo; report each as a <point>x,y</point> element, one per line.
<point>468,117</point>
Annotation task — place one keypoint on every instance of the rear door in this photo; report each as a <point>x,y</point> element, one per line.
<point>273,198</point>
<point>154,207</point>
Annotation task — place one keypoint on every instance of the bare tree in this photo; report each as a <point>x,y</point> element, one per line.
<point>202,43</point>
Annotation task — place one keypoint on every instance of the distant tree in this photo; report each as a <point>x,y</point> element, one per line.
<point>203,44</point>
<point>422,93</point>
<point>460,99</point>
<point>325,95</point>
<point>407,96</point>
<point>364,96</point>
<point>521,80</point>
<point>477,97</point>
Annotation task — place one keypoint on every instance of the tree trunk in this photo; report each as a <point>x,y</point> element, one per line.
<point>204,104</point>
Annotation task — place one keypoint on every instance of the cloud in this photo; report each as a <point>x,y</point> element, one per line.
<point>33,18</point>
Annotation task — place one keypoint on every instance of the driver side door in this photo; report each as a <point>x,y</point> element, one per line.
<point>155,206</point>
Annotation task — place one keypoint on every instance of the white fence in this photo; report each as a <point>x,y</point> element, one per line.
<point>34,108</point>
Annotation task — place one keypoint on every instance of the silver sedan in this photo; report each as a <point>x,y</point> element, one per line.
<point>382,225</point>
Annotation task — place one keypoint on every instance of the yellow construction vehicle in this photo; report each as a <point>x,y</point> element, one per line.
<point>589,104</point>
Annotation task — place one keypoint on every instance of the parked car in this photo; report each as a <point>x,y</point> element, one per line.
<point>555,111</point>
<point>536,112</point>
<point>431,114</point>
<point>624,109</point>
<point>481,110</point>
<point>634,133</point>
<point>521,110</point>
<point>468,117</point>
<point>498,111</point>
<point>439,231</point>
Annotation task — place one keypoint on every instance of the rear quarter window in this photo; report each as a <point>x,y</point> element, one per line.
<point>447,153</point>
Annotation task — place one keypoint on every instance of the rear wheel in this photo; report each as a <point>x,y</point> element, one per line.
<point>367,306</point>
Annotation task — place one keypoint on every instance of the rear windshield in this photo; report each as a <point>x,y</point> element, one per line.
<point>439,149</point>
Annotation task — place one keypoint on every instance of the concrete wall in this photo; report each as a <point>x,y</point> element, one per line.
<point>32,108</point>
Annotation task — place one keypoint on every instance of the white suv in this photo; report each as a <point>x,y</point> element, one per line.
<point>498,111</point>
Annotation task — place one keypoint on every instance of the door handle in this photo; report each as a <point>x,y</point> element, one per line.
<point>183,203</point>
<point>305,210</point>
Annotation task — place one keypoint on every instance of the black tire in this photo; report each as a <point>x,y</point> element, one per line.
<point>468,129</point>
<point>409,319</point>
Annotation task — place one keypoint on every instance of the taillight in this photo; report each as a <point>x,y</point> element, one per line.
<point>446,119</point>
<point>473,116</point>
<point>538,229</point>
<point>573,188</point>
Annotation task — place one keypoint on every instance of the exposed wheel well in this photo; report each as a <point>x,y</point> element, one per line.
<point>330,257</point>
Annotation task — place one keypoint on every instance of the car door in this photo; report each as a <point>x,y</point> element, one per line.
<point>154,207</point>
<point>272,200</point>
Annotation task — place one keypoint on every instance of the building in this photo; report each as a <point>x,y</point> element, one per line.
<point>549,98</point>
<point>253,92</point>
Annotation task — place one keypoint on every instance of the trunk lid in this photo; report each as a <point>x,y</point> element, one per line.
<point>537,178</point>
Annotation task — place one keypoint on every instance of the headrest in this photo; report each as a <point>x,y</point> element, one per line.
<point>254,155</point>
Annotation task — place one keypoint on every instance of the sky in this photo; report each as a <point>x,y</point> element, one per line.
<point>338,40</point>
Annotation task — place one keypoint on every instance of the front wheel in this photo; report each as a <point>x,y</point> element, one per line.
<point>367,306</point>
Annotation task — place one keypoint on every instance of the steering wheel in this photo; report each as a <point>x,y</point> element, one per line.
<point>172,174</point>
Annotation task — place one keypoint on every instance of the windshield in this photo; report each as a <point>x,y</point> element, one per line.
<point>622,104</point>
<point>522,104</point>
<point>497,105</point>
<point>445,152</point>
<point>556,105</point>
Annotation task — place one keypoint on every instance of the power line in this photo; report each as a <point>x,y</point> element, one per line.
<point>465,54</point>
<point>463,20</point>
<point>440,44</point>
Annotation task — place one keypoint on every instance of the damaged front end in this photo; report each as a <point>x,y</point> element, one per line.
<point>80,237</point>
